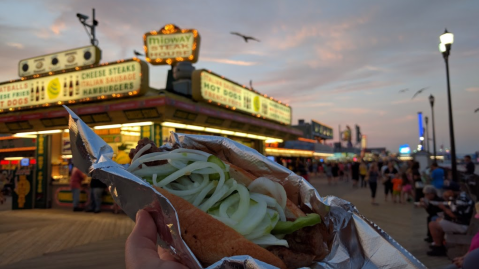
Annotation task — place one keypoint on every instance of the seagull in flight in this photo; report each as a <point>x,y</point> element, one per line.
<point>403,90</point>
<point>137,53</point>
<point>419,92</point>
<point>246,38</point>
<point>475,111</point>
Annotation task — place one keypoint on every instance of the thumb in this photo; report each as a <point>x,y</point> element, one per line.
<point>141,244</point>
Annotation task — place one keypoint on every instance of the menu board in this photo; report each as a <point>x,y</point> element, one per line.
<point>212,88</point>
<point>124,78</point>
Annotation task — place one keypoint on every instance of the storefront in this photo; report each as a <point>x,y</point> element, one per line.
<point>115,100</point>
<point>121,122</point>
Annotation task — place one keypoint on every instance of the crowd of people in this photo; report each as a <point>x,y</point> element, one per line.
<point>450,208</point>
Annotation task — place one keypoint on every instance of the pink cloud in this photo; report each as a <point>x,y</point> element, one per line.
<point>227,61</point>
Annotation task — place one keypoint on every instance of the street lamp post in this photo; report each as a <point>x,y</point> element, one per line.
<point>427,135</point>
<point>445,47</point>
<point>431,101</point>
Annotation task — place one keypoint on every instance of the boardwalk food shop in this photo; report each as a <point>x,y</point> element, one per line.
<point>117,102</point>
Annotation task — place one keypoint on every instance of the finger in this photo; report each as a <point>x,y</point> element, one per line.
<point>165,254</point>
<point>141,244</point>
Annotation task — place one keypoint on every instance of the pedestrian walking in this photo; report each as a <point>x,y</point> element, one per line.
<point>328,170</point>
<point>373,176</point>
<point>355,173</point>
<point>418,183</point>
<point>363,172</point>
<point>96,192</point>
<point>76,179</point>
<point>388,175</point>
<point>335,172</point>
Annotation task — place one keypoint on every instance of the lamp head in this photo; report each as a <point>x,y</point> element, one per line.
<point>82,17</point>
<point>431,99</point>
<point>447,38</point>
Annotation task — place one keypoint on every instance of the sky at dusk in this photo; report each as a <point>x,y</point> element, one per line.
<point>337,62</point>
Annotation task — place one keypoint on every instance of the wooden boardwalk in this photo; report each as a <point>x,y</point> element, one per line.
<point>60,239</point>
<point>54,239</point>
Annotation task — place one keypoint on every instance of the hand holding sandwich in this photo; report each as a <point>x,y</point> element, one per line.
<point>141,250</point>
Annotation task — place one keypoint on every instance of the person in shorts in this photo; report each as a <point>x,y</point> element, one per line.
<point>397,186</point>
<point>457,216</point>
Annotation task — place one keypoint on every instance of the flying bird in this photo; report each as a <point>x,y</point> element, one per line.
<point>246,38</point>
<point>137,53</point>
<point>475,111</point>
<point>403,90</point>
<point>419,92</point>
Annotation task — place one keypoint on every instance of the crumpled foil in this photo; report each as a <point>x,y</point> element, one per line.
<point>356,241</point>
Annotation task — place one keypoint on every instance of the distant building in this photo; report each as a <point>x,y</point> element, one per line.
<point>315,130</point>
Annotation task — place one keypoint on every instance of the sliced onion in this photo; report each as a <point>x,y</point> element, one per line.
<point>205,171</point>
<point>189,169</point>
<point>177,163</point>
<point>233,199</point>
<point>243,206</point>
<point>214,198</point>
<point>270,240</point>
<point>252,219</point>
<point>280,210</point>
<point>154,179</point>
<point>229,222</point>
<point>164,169</point>
<point>201,196</point>
<point>263,228</point>
<point>270,201</point>
<point>185,193</point>
<point>185,181</point>
<point>266,186</point>
<point>141,151</point>
<point>232,188</point>
<point>194,151</point>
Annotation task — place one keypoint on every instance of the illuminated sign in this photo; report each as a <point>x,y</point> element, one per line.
<point>421,128</point>
<point>123,78</point>
<point>404,149</point>
<point>58,61</point>
<point>25,162</point>
<point>171,44</point>
<point>212,88</point>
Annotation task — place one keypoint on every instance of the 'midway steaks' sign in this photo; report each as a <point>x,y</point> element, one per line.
<point>116,79</point>
<point>171,44</point>
<point>211,88</point>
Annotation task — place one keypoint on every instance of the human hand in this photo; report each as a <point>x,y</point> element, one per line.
<point>141,250</point>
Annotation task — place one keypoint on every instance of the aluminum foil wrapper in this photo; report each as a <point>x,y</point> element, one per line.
<point>356,241</point>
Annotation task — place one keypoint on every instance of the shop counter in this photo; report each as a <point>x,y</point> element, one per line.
<point>63,198</point>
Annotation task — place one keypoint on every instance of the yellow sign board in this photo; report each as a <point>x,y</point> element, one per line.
<point>122,78</point>
<point>212,88</point>
<point>171,44</point>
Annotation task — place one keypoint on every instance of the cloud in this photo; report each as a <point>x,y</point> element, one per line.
<point>317,105</point>
<point>473,89</point>
<point>227,61</point>
<point>407,101</point>
<point>15,45</point>
<point>58,27</point>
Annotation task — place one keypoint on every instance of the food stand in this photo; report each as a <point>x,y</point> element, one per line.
<point>115,99</point>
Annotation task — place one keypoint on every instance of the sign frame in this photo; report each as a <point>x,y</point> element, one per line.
<point>94,61</point>
<point>24,85</point>
<point>171,29</point>
<point>198,96</point>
